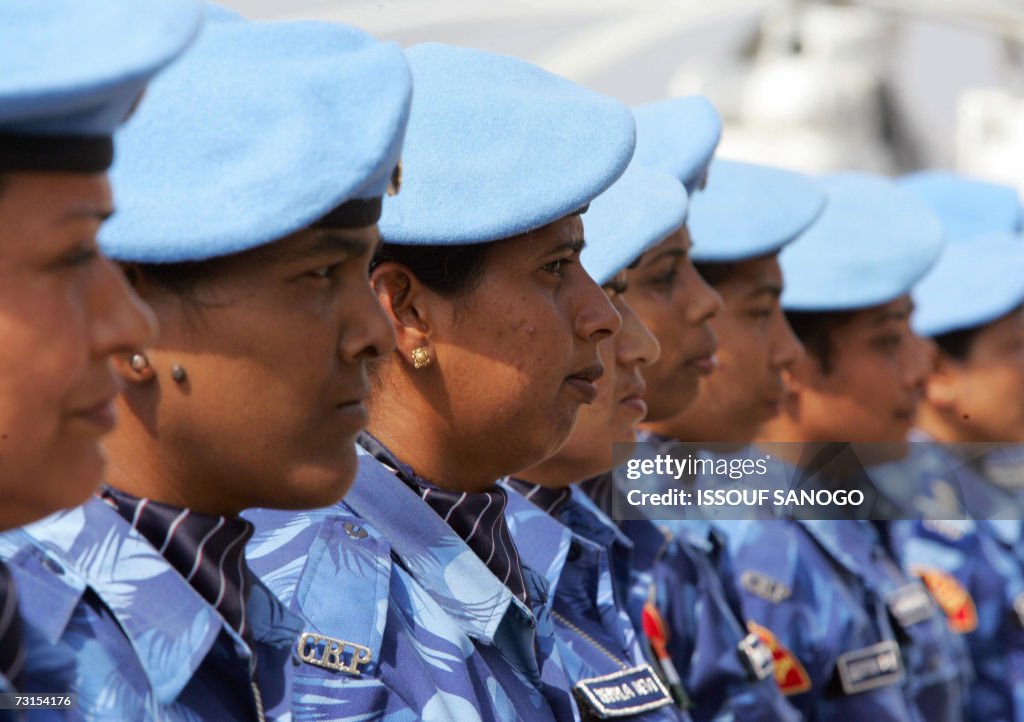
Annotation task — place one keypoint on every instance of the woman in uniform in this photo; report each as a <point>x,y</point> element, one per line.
<point>418,602</point>
<point>250,182</point>
<point>68,83</point>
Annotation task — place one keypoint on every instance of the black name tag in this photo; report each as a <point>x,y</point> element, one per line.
<point>624,693</point>
<point>870,667</point>
<point>910,604</point>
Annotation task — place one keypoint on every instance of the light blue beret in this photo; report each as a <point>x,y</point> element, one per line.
<point>260,130</point>
<point>678,136</point>
<point>749,210</point>
<point>637,212</point>
<point>497,147</point>
<point>966,206</point>
<point>870,245</point>
<point>975,282</point>
<point>71,72</point>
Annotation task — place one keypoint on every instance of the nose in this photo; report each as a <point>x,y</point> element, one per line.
<point>596,318</point>
<point>786,346</point>
<point>705,303</point>
<point>919,363</point>
<point>634,344</point>
<point>366,333</point>
<point>119,320</point>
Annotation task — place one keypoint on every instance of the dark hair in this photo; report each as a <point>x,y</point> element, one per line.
<point>814,329</point>
<point>715,274</point>
<point>445,270</point>
<point>957,344</point>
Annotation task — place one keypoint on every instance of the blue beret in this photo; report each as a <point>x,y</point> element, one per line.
<point>72,71</point>
<point>497,147</point>
<point>975,282</point>
<point>966,206</point>
<point>870,245</point>
<point>678,136</point>
<point>260,130</point>
<point>636,213</point>
<point>749,210</point>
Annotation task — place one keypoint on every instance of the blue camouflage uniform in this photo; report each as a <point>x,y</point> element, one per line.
<point>974,569</point>
<point>91,583</point>
<point>422,628</point>
<point>586,559</point>
<point>683,569</point>
<point>834,641</point>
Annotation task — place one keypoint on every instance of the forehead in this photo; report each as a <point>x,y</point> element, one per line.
<point>882,316</point>
<point>753,275</point>
<point>675,244</point>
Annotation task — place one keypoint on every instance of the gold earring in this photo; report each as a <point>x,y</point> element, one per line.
<point>421,357</point>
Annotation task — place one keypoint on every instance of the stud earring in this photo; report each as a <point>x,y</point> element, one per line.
<point>421,357</point>
<point>178,374</point>
<point>139,362</point>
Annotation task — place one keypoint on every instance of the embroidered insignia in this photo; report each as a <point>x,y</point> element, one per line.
<point>757,656</point>
<point>626,692</point>
<point>870,667</point>
<point>953,599</point>
<point>329,653</point>
<point>790,675</point>
<point>910,604</point>
<point>761,585</point>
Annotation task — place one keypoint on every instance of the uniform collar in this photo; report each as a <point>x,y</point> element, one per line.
<point>431,552</point>
<point>543,541</point>
<point>849,541</point>
<point>135,582</point>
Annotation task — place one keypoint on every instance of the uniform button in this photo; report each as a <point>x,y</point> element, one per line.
<point>355,531</point>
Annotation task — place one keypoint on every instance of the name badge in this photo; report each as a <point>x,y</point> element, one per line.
<point>623,693</point>
<point>333,654</point>
<point>759,658</point>
<point>870,667</point>
<point>910,604</point>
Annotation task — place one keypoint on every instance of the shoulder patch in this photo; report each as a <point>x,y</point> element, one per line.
<point>951,596</point>
<point>764,586</point>
<point>790,675</point>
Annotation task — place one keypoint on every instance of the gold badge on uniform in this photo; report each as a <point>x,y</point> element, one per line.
<point>790,675</point>
<point>329,653</point>
<point>952,598</point>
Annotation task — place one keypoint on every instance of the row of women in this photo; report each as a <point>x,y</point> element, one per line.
<point>442,284</point>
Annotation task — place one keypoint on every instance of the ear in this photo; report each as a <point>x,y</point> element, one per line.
<point>940,389</point>
<point>412,307</point>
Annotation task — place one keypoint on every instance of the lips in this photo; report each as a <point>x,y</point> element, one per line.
<point>99,411</point>
<point>632,397</point>
<point>583,382</point>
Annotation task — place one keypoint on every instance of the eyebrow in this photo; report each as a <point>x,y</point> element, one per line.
<point>772,289</point>
<point>325,243</point>
<point>575,245</point>
<point>901,315</point>
<point>97,214</point>
<point>676,252</point>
